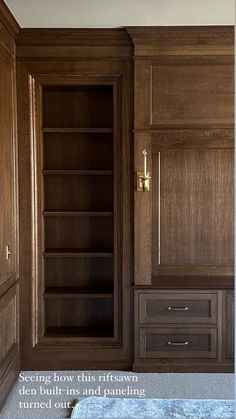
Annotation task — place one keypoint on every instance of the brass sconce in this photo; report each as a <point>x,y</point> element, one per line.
<point>143,178</point>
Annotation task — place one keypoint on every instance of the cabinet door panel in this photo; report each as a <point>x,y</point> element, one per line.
<point>196,207</point>
<point>184,224</point>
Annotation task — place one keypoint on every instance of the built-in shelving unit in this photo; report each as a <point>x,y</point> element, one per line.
<point>78,211</point>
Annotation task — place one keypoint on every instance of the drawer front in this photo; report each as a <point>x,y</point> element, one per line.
<point>177,342</point>
<point>177,307</point>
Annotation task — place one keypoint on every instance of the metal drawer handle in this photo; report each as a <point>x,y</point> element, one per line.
<point>177,343</point>
<point>177,308</point>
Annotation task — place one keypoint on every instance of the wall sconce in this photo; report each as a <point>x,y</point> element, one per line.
<point>143,178</point>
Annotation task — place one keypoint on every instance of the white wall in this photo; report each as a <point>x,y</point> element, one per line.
<point>115,13</point>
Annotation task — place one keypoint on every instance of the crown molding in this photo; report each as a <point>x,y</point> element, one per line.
<point>8,20</point>
<point>74,37</point>
<point>182,40</point>
<point>91,43</point>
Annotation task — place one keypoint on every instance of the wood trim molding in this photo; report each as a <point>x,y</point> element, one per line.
<point>8,283</point>
<point>74,43</point>
<point>118,42</point>
<point>192,282</point>
<point>77,37</point>
<point>8,19</point>
<point>182,40</point>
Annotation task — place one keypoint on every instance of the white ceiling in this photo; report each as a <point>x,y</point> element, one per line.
<point>115,13</point>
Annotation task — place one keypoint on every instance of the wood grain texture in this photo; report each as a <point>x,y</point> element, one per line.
<point>184,92</point>
<point>8,322</point>
<point>191,94</point>
<point>190,40</point>
<point>74,43</point>
<point>7,19</point>
<point>194,282</point>
<point>7,171</point>
<point>9,297</point>
<point>196,225</point>
<point>113,344</point>
<point>184,107</point>
<point>143,217</point>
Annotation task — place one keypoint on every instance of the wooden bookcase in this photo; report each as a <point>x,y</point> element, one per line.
<point>76,176</point>
<point>78,211</point>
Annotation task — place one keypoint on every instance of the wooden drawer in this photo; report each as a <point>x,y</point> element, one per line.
<point>177,307</point>
<point>174,342</point>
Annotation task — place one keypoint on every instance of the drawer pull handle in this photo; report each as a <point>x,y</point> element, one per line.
<point>177,308</point>
<point>177,343</point>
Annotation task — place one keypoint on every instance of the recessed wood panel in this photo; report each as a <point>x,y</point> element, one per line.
<point>8,322</point>
<point>191,94</point>
<point>195,193</point>
<point>7,198</point>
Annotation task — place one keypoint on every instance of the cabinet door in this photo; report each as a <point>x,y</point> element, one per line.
<point>184,224</point>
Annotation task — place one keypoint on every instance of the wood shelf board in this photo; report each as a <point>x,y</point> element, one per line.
<point>76,293</point>
<point>78,172</point>
<point>79,331</point>
<point>192,282</point>
<point>78,130</point>
<point>78,253</point>
<point>78,213</point>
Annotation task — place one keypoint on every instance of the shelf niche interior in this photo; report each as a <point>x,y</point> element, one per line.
<point>78,211</point>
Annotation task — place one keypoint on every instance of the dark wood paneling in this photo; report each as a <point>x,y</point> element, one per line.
<point>192,179</point>
<point>8,322</point>
<point>142,217</point>
<point>9,22</point>
<point>181,92</point>
<point>9,299</point>
<point>189,94</point>
<point>195,222</point>
<point>182,40</point>
<point>74,44</point>
<point>7,174</point>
